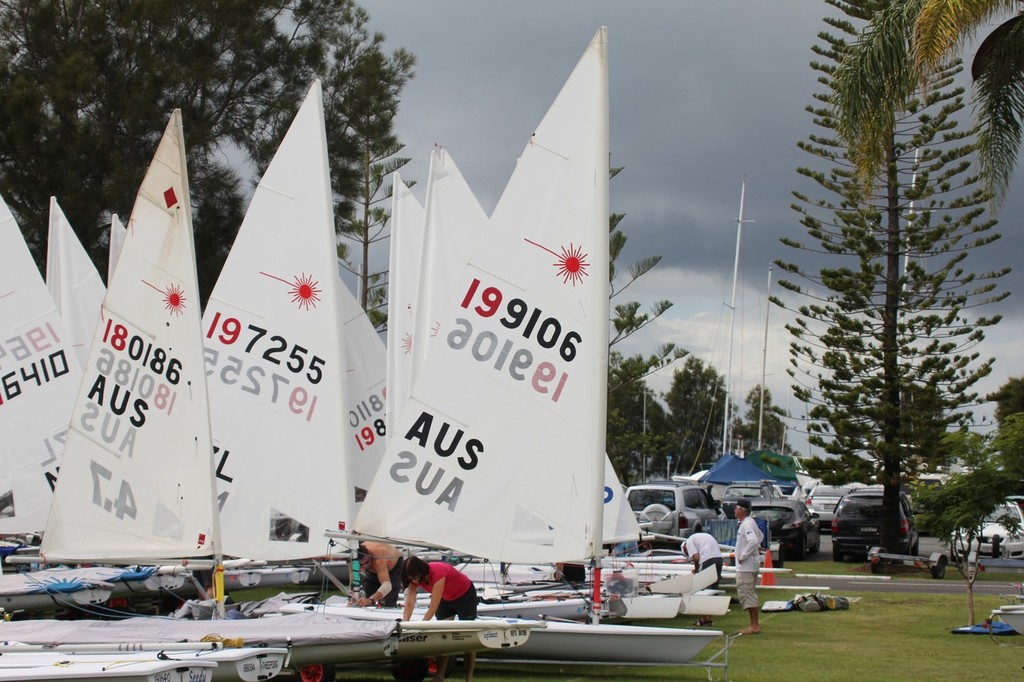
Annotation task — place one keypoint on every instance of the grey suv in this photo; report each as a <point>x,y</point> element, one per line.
<point>671,507</point>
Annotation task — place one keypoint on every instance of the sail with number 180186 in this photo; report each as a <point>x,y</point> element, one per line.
<point>136,479</point>
<point>505,422</point>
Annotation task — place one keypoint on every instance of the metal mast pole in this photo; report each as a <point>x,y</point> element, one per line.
<point>764,361</point>
<point>732,323</point>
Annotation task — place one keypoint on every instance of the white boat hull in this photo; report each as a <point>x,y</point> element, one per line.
<point>1012,617</point>
<point>109,667</point>
<point>612,643</point>
<point>245,664</point>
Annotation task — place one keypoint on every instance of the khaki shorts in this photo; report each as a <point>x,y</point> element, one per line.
<point>745,582</point>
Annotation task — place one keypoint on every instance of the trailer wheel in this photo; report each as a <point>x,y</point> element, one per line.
<point>411,670</point>
<point>939,566</point>
<point>316,672</point>
<point>875,561</point>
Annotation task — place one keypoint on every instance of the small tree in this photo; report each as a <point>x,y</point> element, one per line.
<point>958,510</point>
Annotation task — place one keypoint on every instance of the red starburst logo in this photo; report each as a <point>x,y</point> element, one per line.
<point>571,263</point>
<point>303,289</point>
<point>407,344</point>
<point>173,297</point>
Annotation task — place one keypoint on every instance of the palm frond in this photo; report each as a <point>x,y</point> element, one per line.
<point>998,71</point>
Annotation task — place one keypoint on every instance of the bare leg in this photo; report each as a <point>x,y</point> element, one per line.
<point>755,627</point>
<point>470,665</point>
<point>442,664</point>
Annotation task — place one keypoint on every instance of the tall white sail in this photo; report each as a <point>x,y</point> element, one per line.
<point>620,524</point>
<point>454,223</point>
<point>275,360</point>
<point>38,380</point>
<point>499,451</point>
<point>136,481</point>
<point>117,235</point>
<point>365,390</point>
<point>73,281</point>
<point>403,281</point>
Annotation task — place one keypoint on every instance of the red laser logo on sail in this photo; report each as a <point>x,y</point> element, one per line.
<point>571,263</point>
<point>407,344</point>
<point>173,295</point>
<point>303,289</point>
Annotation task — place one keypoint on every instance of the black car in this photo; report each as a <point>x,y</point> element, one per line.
<point>857,525</point>
<point>791,524</point>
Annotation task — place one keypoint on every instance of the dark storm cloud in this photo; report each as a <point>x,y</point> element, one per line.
<point>702,95</point>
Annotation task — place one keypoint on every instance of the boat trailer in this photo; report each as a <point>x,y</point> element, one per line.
<point>935,563</point>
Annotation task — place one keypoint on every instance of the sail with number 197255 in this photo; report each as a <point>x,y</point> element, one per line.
<point>276,363</point>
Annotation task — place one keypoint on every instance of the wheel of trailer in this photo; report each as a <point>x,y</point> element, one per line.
<point>411,670</point>
<point>876,562</point>
<point>939,567</point>
<point>316,672</point>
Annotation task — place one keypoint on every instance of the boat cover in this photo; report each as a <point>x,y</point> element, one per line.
<point>65,580</point>
<point>300,629</point>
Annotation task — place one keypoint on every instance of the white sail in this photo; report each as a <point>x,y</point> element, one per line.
<point>73,281</point>
<point>38,380</point>
<point>454,223</point>
<point>499,451</point>
<point>365,390</point>
<point>275,360</point>
<point>620,524</point>
<point>117,235</point>
<point>136,481</point>
<point>403,281</point>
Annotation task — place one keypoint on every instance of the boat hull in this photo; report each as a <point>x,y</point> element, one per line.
<point>1012,617</point>
<point>612,643</point>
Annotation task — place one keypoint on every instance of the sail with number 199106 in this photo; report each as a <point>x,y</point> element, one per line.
<point>505,422</point>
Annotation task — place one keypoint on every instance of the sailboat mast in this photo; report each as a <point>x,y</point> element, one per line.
<point>732,323</point>
<point>764,361</point>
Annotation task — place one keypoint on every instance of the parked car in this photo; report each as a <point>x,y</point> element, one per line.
<point>823,500</point>
<point>997,525</point>
<point>857,524</point>
<point>750,489</point>
<point>791,524</point>
<point>672,507</point>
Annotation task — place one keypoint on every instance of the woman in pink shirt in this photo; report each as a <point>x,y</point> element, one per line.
<point>451,594</point>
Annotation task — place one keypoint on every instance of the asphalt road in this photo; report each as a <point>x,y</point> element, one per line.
<point>862,581</point>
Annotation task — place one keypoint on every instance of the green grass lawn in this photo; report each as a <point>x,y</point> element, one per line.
<point>881,637</point>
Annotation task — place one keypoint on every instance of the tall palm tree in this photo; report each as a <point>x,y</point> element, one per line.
<point>906,43</point>
<point>941,29</point>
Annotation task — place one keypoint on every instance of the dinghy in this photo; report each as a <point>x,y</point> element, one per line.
<point>244,664</point>
<point>498,450</point>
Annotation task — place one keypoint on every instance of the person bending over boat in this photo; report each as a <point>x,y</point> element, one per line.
<point>703,550</point>
<point>748,561</point>
<point>380,565</point>
<point>452,594</point>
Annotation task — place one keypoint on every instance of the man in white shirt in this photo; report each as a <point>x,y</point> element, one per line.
<point>703,550</point>
<point>748,562</point>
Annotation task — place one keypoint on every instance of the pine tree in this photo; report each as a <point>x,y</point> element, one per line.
<point>86,88</point>
<point>885,350</point>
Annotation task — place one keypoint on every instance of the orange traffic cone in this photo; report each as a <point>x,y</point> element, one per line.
<point>768,578</point>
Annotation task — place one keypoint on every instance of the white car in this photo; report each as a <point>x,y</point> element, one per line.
<point>1011,544</point>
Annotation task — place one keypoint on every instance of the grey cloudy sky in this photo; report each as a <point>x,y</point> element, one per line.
<point>702,96</point>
